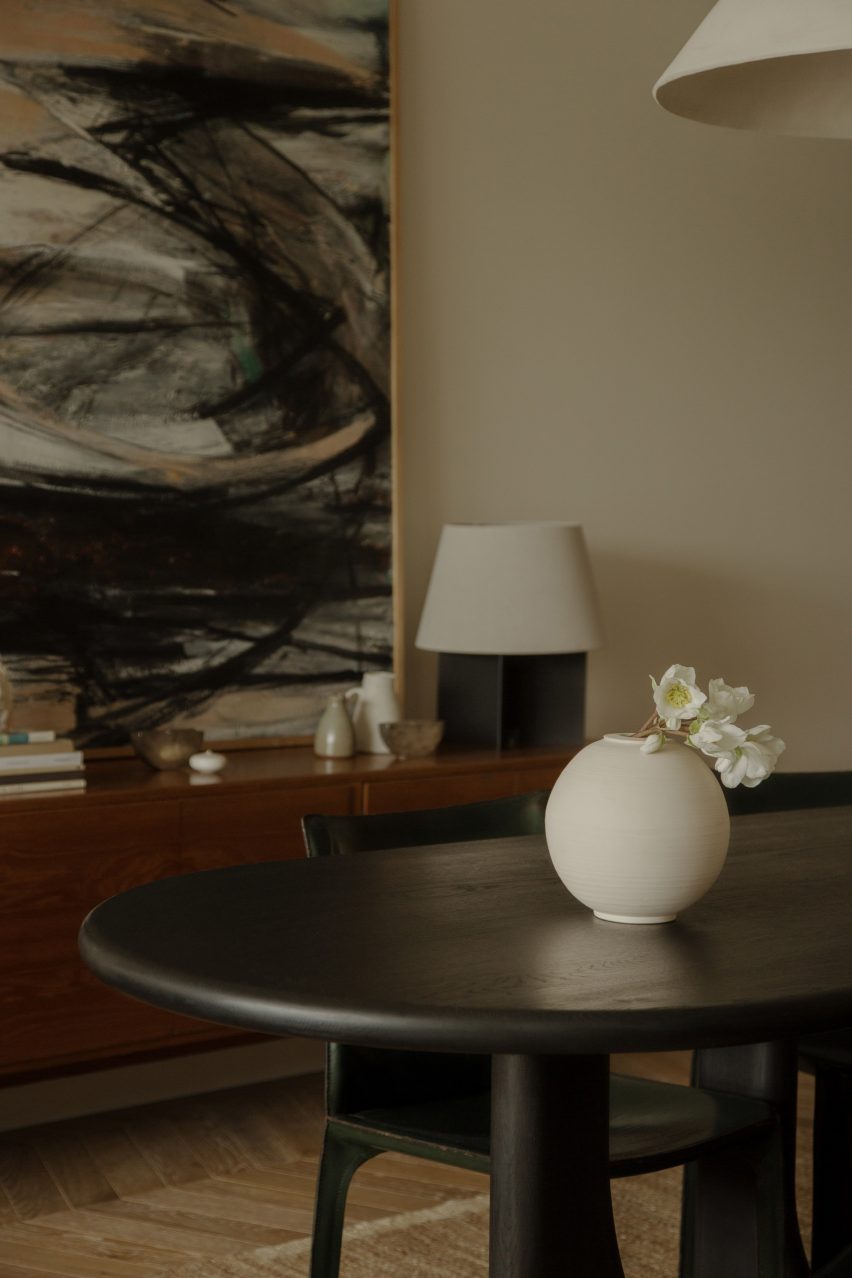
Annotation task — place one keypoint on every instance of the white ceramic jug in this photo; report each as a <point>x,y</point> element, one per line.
<point>372,703</point>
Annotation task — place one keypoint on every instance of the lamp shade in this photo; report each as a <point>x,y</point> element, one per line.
<point>510,589</point>
<point>780,65</point>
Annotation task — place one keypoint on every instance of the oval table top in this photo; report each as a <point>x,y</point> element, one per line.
<point>479,947</point>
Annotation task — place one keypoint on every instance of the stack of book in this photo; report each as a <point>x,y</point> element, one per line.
<point>31,762</point>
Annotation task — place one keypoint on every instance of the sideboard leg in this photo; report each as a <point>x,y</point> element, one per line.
<point>739,1206</point>
<point>551,1210</point>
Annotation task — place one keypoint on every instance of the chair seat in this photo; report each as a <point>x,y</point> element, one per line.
<point>656,1125</point>
<point>652,1125</point>
<point>428,1128</point>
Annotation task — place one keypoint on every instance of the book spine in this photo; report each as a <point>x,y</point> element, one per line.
<point>25,738</point>
<point>30,778</point>
<point>40,762</point>
<point>59,746</point>
<point>33,787</point>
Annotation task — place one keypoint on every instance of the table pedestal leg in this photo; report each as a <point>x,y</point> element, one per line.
<point>551,1211</point>
<point>739,1206</point>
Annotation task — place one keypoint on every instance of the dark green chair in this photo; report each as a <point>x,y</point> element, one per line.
<point>827,1056</point>
<point>437,1105</point>
<point>785,791</point>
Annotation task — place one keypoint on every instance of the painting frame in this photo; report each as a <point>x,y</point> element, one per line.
<point>37,712</point>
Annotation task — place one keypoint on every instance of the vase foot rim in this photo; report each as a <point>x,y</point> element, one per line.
<point>634,918</point>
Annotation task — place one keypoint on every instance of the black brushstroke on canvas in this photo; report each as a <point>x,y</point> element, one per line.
<point>234,295</point>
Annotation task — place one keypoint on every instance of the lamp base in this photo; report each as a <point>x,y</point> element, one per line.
<point>506,703</point>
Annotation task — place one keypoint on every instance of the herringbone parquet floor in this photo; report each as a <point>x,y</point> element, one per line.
<point>136,1193</point>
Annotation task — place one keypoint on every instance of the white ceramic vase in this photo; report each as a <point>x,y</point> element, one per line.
<point>372,703</point>
<point>637,837</point>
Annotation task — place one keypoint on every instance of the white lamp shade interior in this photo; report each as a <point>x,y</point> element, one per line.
<point>510,589</point>
<point>780,65</point>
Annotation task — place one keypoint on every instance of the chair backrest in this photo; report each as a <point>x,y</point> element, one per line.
<point>784,791</point>
<point>361,1078</point>
<point>492,819</point>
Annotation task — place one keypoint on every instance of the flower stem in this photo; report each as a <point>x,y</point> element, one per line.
<point>651,724</point>
<point>655,724</point>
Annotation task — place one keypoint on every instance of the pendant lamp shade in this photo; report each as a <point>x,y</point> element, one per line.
<point>780,65</point>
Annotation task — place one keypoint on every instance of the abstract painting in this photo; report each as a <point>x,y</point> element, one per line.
<point>195,430</point>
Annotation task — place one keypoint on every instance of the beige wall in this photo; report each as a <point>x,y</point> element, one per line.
<point>614,316</point>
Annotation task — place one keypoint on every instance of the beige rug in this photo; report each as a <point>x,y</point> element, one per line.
<point>451,1240</point>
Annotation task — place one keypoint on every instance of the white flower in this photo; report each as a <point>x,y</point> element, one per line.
<point>741,756</point>
<point>725,702</point>
<point>752,761</point>
<point>717,738</point>
<point>676,696</point>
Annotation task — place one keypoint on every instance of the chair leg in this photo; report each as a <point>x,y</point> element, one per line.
<point>739,1205</point>
<point>832,1164</point>
<point>732,1217</point>
<point>340,1160</point>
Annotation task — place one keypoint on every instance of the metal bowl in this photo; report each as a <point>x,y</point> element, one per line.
<point>412,738</point>
<point>165,748</point>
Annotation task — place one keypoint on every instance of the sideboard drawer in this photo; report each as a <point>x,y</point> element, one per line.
<point>57,1012</point>
<point>232,829</point>
<point>543,778</point>
<point>436,792</point>
<point>55,866</point>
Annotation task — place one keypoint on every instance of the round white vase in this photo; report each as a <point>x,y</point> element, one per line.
<point>637,837</point>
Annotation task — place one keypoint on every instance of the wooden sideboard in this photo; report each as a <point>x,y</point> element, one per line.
<point>60,854</point>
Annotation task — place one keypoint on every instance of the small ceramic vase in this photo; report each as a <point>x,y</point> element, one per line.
<point>637,837</point>
<point>371,704</point>
<point>334,737</point>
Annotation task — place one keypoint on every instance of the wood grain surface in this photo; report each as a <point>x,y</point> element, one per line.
<point>61,854</point>
<point>478,947</point>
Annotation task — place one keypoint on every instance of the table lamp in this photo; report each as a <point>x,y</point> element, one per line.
<point>780,65</point>
<point>511,609</point>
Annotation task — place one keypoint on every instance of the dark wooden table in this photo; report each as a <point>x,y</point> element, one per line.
<point>478,947</point>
